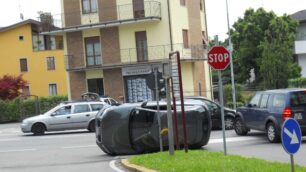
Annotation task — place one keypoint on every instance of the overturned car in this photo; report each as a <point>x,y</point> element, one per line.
<point>133,128</point>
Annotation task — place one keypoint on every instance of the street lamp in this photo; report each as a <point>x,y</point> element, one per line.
<point>231,57</point>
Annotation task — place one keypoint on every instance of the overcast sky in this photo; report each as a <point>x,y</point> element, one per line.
<point>216,11</point>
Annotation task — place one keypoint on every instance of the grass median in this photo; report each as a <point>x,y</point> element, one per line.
<point>201,161</point>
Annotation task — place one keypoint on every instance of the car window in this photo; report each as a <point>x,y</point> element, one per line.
<point>278,100</point>
<point>65,110</point>
<point>81,108</point>
<point>106,101</point>
<point>96,107</point>
<point>264,101</point>
<point>298,98</point>
<point>210,105</point>
<point>255,100</point>
<point>112,101</point>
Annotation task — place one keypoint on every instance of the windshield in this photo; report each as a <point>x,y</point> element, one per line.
<point>298,98</point>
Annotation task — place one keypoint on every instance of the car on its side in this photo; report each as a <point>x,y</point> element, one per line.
<point>215,108</point>
<point>65,116</point>
<point>133,128</point>
<point>267,111</point>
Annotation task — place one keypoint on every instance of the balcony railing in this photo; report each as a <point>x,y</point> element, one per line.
<point>103,17</point>
<point>130,56</point>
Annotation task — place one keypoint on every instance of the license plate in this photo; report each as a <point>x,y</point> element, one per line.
<point>298,116</point>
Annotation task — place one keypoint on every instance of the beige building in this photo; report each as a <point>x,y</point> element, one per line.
<point>112,45</point>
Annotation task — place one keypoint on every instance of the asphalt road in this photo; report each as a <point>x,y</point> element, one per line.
<point>76,151</point>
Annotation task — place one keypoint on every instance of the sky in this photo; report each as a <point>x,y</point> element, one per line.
<point>216,11</point>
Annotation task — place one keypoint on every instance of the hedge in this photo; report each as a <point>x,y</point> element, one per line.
<point>297,82</point>
<point>20,108</point>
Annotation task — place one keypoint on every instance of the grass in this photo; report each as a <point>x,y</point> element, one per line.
<point>201,161</point>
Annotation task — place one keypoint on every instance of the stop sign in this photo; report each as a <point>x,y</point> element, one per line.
<point>219,58</point>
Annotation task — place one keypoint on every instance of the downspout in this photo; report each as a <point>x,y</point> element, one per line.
<point>170,26</point>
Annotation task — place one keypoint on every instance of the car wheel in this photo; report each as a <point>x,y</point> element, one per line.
<point>38,129</point>
<point>240,127</point>
<point>229,123</point>
<point>92,126</point>
<point>272,134</point>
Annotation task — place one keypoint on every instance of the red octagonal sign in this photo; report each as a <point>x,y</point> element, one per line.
<point>219,58</point>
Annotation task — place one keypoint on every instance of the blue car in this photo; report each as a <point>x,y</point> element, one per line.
<point>267,111</point>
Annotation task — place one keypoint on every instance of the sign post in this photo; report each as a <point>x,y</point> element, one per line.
<point>219,59</point>
<point>291,138</point>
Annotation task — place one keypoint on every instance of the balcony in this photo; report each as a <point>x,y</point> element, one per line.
<point>300,47</point>
<point>107,17</point>
<point>130,57</point>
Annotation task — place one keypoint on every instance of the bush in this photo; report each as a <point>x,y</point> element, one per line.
<point>228,93</point>
<point>231,104</point>
<point>20,108</point>
<point>297,82</point>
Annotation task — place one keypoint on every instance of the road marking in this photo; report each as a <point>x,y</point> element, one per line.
<point>17,150</point>
<point>232,139</point>
<point>74,147</point>
<point>113,166</point>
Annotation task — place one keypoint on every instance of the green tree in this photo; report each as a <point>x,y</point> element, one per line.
<point>259,43</point>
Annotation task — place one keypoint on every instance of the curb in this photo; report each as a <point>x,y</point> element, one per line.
<point>133,167</point>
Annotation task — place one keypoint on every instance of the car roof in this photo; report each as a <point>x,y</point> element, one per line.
<point>285,90</point>
<point>81,101</point>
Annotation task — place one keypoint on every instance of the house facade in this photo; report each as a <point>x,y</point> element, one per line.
<point>300,42</point>
<point>39,58</point>
<point>111,46</point>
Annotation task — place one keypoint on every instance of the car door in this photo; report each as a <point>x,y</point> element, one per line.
<point>81,115</point>
<point>60,119</point>
<point>251,111</point>
<point>262,112</point>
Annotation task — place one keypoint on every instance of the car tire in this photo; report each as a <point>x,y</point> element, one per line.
<point>229,123</point>
<point>272,133</point>
<point>92,126</point>
<point>38,129</point>
<point>240,127</point>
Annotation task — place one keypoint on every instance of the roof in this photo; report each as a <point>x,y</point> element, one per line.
<point>300,16</point>
<point>29,21</point>
<point>285,90</point>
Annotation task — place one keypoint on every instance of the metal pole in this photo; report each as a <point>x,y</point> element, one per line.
<point>169,115</point>
<point>158,110</point>
<point>175,118</point>
<point>292,163</point>
<point>231,58</point>
<point>222,110</point>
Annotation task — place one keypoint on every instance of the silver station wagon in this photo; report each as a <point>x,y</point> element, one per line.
<point>65,116</point>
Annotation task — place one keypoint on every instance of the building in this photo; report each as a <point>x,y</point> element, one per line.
<point>39,58</point>
<point>112,45</point>
<point>300,42</point>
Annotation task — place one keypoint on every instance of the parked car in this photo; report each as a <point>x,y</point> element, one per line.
<point>133,128</point>
<point>268,110</point>
<point>65,116</point>
<point>96,97</point>
<point>215,108</point>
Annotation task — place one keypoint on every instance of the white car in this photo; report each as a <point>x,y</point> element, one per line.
<point>65,116</point>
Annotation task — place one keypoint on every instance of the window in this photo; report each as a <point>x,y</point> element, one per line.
<point>210,105</point>
<point>185,38</point>
<point>138,8</point>
<point>63,111</point>
<point>298,98</point>
<point>278,100</point>
<point>89,6</point>
<point>23,65</point>
<point>93,51</point>
<point>50,63</point>
<point>20,38</point>
<point>81,108</point>
<point>141,46</point>
<point>201,5</point>
<point>255,100</point>
<point>183,2</point>
<point>52,89</point>
<point>96,107</point>
<point>264,101</point>
<point>26,91</point>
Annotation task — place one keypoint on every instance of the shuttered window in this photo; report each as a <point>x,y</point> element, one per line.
<point>185,38</point>
<point>50,63</point>
<point>23,65</point>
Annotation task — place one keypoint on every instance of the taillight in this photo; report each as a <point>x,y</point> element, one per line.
<point>287,113</point>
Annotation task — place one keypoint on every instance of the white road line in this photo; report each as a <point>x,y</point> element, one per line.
<point>232,139</point>
<point>113,166</point>
<point>17,150</point>
<point>74,147</point>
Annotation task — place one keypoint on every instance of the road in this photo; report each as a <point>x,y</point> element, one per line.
<point>76,151</point>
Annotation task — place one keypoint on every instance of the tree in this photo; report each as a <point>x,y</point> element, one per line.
<point>10,86</point>
<point>258,44</point>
